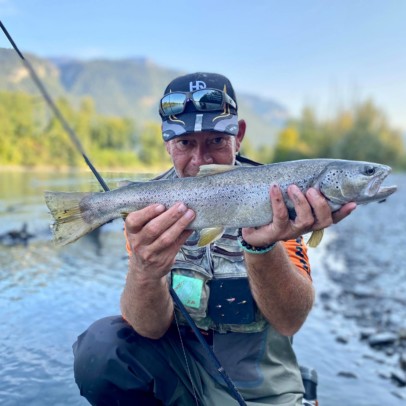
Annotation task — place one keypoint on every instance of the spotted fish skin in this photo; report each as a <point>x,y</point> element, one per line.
<point>221,196</point>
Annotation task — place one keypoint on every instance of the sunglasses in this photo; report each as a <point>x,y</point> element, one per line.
<point>204,100</point>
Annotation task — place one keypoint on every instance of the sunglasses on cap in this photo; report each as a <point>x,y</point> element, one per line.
<point>204,100</point>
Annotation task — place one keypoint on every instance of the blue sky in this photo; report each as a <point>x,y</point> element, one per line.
<point>326,54</point>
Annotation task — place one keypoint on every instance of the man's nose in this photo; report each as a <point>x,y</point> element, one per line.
<point>202,157</point>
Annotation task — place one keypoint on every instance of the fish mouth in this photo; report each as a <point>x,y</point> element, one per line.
<point>384,191</point>
<point>376,192</point>
<point>374,186</point>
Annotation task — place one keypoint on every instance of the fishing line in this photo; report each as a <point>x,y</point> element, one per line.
<point>220,369</point>
<point>75,139</point>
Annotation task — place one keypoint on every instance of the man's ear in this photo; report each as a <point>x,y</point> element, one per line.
<point>242,126</point>
<point>168,147</point>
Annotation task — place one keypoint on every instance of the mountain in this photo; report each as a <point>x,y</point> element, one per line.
<point>14,76</point>
<point>128,87</point>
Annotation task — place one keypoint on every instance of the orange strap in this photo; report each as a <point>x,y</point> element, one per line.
<point>297,251</point>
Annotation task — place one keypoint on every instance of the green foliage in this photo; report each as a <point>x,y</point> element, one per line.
<point>31,136</point>
<point>362,133</point>
<point>150,146</point>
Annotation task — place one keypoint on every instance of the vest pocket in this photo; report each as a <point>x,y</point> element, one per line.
<point>231,301</point>
<point>190,282</point>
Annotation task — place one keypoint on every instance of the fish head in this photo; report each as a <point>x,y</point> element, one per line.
<point>354,181</point>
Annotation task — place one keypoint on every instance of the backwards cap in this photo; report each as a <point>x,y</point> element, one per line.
<point>192,120</point>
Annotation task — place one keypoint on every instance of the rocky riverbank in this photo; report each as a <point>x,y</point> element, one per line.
<point>370,272</point>
<point>378,308</point>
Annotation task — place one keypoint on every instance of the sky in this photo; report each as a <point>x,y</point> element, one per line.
<point>324,54</point>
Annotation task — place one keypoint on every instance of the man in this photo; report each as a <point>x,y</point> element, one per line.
<point>249,291</point>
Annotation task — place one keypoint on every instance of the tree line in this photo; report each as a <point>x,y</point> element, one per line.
<point>32,137</point>
<point>361,133</point>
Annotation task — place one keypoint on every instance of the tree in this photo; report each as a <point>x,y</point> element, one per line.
<point>362,133</point>
<point>151,150</point>
<point>289,145</point>
<point>370,137</point>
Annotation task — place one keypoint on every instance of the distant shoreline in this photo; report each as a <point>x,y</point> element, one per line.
<point>82,169</point>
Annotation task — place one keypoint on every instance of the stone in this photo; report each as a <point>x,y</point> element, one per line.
<point>402,361</point>
<point>347,374</point>
<point>399,378</point>
<point>382,339</point>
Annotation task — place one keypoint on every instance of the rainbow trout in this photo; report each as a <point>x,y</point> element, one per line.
<point>222,196</point>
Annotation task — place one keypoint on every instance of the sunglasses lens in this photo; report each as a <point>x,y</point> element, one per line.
<point>173,103</point>
<point>209,99</point>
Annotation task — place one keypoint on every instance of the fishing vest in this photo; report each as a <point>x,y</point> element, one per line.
<point>212,283</point>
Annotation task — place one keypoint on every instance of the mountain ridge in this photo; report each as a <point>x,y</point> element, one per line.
<point>129,87</point>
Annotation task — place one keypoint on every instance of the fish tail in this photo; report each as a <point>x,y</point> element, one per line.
<point>69,223</point>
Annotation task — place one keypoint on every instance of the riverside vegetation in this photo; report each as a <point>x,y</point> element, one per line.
<point>32,137</point>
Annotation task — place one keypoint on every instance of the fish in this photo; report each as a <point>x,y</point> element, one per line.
<point>222,196</point>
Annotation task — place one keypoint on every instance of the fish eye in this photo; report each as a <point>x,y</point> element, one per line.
<point>369,170</point>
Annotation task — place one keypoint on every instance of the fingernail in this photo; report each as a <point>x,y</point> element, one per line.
<point>189,214</point>
<point>159,208</point>
<point>182,208</point>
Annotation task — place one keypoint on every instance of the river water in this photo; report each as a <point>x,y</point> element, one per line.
<point>50,295</point>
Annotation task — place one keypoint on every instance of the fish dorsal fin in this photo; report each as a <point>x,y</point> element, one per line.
<point>124,183</point>
<point>207,170</point>
<point>315,238</point>
<point>209,235</point>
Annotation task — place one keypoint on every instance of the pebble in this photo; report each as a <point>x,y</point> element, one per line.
<point>347,374</point>
<point>399,378</point>
<point>342,339</point>
<point>402,334</point>
<point>365,333</point>
<point>402,361</point>
<point>382,339</point>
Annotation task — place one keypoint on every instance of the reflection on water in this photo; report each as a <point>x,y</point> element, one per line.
<point>48,296</point>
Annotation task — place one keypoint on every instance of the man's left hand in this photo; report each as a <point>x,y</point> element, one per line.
<point>312,213</point>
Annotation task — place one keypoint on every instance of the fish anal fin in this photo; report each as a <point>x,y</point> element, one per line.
<point>212,169</point>
<point>209,235</point>
<point>315,238</point>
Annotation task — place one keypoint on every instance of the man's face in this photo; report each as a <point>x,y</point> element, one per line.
<point>189,152</point>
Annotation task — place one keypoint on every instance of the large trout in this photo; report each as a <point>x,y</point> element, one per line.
<point>222,196</point>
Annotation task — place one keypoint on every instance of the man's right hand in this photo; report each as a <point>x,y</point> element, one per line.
<point>155,235</point>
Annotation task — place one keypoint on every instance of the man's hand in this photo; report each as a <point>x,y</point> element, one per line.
<point>312,213</point>
<point>155,236</point>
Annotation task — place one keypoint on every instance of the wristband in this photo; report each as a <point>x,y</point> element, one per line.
<point>252,249</point>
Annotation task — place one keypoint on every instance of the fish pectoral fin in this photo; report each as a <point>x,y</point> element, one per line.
<point>209,235</point>
<point>212,169</point>
<point>315,238</point>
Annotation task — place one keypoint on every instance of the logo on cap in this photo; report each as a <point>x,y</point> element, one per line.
<point>199,84</point>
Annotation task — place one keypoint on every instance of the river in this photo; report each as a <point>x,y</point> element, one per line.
<point>50,295</point>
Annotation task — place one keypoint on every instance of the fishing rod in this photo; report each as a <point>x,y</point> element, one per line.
<point>72,135</point>
<point>75,139</point>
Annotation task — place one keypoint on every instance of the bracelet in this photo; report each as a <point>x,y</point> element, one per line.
<point>250,248</point>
